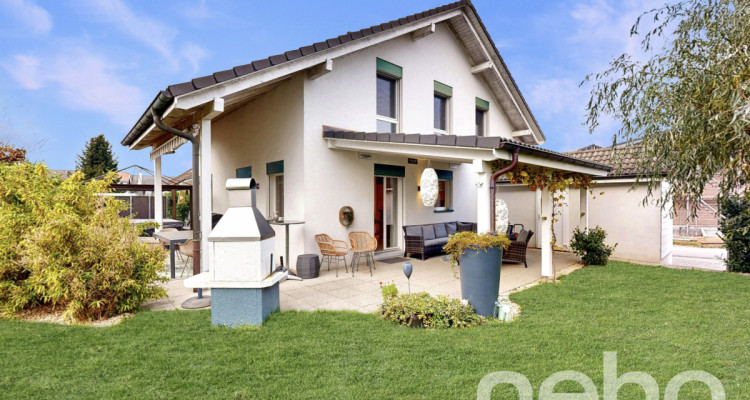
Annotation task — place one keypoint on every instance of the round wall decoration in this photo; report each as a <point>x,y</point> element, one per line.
<point>429,187</point>
<point>501,216</point>
<point>346,215</point>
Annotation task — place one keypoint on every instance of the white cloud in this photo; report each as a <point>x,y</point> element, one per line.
<point>83,80</point>
<point>149,31</point>
<point>193,54</point>
<point>36,18</point>
<point>24,69</point>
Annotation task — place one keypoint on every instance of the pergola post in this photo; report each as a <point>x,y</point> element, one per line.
<point>545,235</point>
<point>158,203</point>
<point>205,195</point>
<point>584,201</point>
<point>484,172</point>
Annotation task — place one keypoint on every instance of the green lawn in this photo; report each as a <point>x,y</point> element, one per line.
<point>660,321</point>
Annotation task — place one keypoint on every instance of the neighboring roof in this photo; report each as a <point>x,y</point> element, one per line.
<point>165,98</point>
<point>590,147</point>
<point>624,157</point>
<point>484,142</point>
<point>185,178</point>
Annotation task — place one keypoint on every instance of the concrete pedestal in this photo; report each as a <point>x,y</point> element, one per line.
<point>236,307</point>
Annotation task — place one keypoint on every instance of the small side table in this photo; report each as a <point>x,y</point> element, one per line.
<point>286,223</point>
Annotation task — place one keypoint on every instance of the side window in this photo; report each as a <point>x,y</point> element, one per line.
<point>442,108</point>
<point>388,96</point>
<point>275,172</point>
<point>482,106</point>
<point>445,190</point>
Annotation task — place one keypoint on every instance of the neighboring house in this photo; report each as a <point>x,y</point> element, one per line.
<point>707,218</point>
<point>353,121</point>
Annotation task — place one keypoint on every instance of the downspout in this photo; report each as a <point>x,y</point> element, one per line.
<point>493,179</point>
<point>194,202</point>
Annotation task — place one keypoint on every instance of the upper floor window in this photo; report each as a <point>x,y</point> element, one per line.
<point>441,106</point>
<point>388,104</point>
<point>482,106</point>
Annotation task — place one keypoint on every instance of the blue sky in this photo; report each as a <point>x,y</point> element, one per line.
<point>70,70</point>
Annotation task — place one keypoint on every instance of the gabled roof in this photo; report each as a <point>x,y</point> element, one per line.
<point>165,98</point>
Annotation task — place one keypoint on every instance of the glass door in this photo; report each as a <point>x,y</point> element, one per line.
<point>386,212</point>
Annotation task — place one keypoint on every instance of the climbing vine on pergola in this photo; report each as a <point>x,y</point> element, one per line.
<point>555,181</point>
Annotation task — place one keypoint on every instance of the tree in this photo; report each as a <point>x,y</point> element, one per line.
<point>688,102</point>
<point>97,158</point>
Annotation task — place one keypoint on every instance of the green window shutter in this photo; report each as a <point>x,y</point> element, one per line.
<point>246,172</point>
<point>390,170</point>
<point>444,175</point>
<point>443,89</point>
<point>276,167</point>
<point>483,104</point>
<point>384,67</point>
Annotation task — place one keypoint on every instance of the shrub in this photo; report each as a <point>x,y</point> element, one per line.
<point>734,225</point>
<point>589,245</point>
<point>388,290</point>
<point>63,245</point>
<point>468,240</point>
<point>423,310</point>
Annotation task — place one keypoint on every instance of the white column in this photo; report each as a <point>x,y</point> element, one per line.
<point>563,239</point>
<point>545,235</point>
<point>484,173</point>
<point>584,198</point>
<point>206,200</point>
<point>158,199</point>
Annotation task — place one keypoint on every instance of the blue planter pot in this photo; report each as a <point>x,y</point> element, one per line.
<point>480,278</point>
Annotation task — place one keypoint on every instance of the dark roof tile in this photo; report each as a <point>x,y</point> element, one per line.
<point>180,88</point>
<point>222,76</point>
<point>293,54</point>
<point>446,140</point>
<point>277,59</point>
<point>261,64</point>
<point>345,38</point>
<point>243,69</point>
<point>358,34</point>
<point>333,42</point>
<point>307,50</point>
<point>466,141</point>
<point>204,81</point>
<point>320,46</point>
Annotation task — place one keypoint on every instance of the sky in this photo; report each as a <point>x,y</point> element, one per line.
<point>71,70</point>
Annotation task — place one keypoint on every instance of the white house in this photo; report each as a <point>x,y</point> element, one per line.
<point>353,121</point>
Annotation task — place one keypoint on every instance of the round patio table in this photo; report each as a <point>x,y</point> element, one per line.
<point>287,223</point>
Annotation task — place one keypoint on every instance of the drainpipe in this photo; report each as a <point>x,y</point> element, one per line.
<point>513,163</point>
<point>194,220</point>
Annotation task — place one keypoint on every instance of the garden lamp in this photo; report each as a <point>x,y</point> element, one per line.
<point>407,271</point>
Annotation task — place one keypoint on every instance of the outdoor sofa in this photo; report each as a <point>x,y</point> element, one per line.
<point>429,239</point>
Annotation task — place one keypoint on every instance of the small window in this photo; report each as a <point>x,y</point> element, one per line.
<point>387,101</point>
<point>441,107</point>
<point>275,172</point>
<point>277,195</point>
<point>480,120</point>
<point>445,194</point>
<point>482,106</point>
<point>445,190</point>
<point>441,113</point>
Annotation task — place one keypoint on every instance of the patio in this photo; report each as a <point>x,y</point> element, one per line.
<point>362,291</point>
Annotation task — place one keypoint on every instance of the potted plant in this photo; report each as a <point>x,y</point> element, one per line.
<point>479,258</point>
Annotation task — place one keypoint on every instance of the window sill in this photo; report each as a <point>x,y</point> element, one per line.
<point>447,210</point>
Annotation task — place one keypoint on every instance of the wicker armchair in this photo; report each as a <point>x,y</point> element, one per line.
<point>333,250</point>
<point>517,250</point>
<point>363,244</point>
<point>186,249</point>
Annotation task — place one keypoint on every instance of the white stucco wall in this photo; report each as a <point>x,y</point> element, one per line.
<point>636,228</point>
<point>522,207</point>
<point>264,130</point>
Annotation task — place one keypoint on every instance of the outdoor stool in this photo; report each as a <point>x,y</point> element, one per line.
<point>308,266</point>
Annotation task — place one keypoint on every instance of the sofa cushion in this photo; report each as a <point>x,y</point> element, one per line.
<point>440,231</point>
<point>428,232</point>
<point>463,226</point>
<point>413,230</point>
<point>436,242</point>
<point>450,228</point>
<point>523,236</point>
